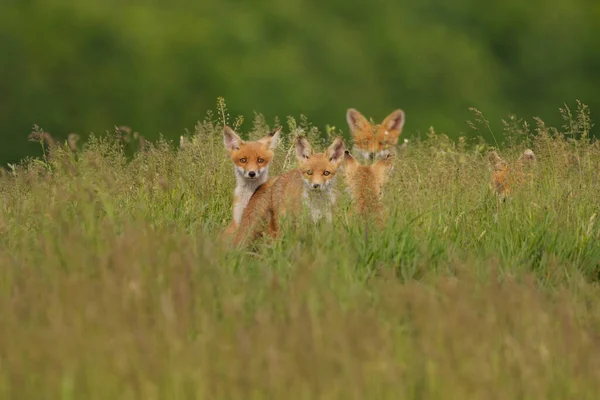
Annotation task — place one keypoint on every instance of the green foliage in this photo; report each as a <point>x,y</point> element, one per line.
<point>113,282</point>
<point>86,66</point>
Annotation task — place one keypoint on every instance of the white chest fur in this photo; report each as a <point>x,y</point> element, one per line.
<point>319,203</point>
<point>244,190</point>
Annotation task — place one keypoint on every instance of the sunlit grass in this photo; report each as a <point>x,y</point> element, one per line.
<point>113,283</point>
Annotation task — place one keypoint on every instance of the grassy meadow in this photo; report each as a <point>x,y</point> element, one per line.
<point>113,283</point>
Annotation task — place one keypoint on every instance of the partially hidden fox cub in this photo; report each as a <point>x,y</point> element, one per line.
<point>372,141</point>
<point>365,184</point>
<point>311,186</point>
<point>251,160</point>
<point>505,178</point>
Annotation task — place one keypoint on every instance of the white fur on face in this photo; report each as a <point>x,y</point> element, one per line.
<point>319,202</point>
<point>383,153</point>
<point>323,187</point>
<point>245,188</point>
<point>241,171</point>
<point>367,155</point>
<point>364,154</point>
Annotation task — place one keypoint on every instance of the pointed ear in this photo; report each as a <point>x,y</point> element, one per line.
<point>350,163</point>
<point>272,139</point>
<point>356,121</point>
<point>335,152</point>
<point>394,121</point>
<point>303,149</point>
<point>382,169</point>
<point>231,140</point>
<point>384,165</point>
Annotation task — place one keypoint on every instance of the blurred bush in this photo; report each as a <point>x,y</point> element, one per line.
<point>158,66</point>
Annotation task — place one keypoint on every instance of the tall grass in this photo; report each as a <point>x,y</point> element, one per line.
<point>113,283</point>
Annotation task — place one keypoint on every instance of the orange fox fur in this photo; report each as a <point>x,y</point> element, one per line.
<point>310,186</point>
<point>373,141</point>
<point>251,160</point>
<point>365,183</point>
<point>506,178</point>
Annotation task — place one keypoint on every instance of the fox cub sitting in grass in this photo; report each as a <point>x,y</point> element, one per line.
<point>365,184</point>
<point>311,186</point>
<point>373,141</point>
<point>506,178</point>
<point>251,160</point>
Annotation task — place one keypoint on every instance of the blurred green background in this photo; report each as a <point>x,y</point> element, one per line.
<point>158,66</point>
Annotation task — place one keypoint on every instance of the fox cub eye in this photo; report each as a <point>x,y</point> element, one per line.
<point>309,172</point>
<point>243,160</point>
<point>260,161</point>
<point>326,173</point>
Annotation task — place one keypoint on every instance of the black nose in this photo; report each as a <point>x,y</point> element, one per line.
<point>316,185</point>
<point>251,174</point>
<point>371,156</point>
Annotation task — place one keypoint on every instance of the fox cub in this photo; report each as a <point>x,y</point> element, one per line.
<point>311,186</point>
<point>365,184</point>
<point>505,178</point>
<point>375,141</point>
<point>251,160</point>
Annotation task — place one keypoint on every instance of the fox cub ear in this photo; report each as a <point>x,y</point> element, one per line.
<point>385,164</point>
<point>394,121</point>
<point>335,152</point>
<point>350,163</point>
<point>231,140</point>
<point>272,139</point>
<point>382,169</point>
<point>303,149</point>
<point>356,121</point>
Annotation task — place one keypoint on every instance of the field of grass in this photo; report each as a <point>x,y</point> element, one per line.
<point>113,283</point>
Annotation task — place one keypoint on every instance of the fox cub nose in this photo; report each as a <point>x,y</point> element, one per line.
<point>251,174</point>
<point>316,185</point>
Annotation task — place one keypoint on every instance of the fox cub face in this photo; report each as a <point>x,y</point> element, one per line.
<point>371,140</point>
<point>319,170</point>
<point>251,159</point>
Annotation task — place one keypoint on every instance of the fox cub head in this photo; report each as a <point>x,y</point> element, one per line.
<point>366,182</point>
<point>251,159</point>
<point>371,140</point>
<point>319,170</point>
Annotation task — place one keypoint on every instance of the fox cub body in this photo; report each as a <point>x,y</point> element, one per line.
<point>372,141</point>
<point>365,184</point>
<point>251,160</point>
<point>311,186</point>
<point>505,178</point>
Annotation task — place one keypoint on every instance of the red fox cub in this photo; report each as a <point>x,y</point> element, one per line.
<point>506,178</point>
<point>375,141</point>
<point>251,166</point>
<point>311,186</point>
<point>365,183</point>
